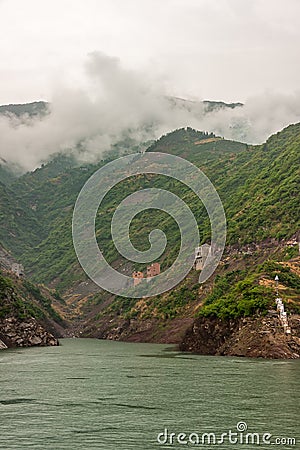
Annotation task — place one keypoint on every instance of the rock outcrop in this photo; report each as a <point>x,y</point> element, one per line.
<point>259,337</point>
<point>24,333</point>
<point>2,345</point>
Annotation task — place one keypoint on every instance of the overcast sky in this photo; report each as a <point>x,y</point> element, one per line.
<point>206,49</point>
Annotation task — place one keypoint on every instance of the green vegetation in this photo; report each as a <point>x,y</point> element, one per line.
<point>7,176</point>
<point>258,185</point>
<point>23,299</point>
<point>164,307</point>
<point>244,297</point>
<point>5,286</point>
<point>172,305</point>
<point>19,227</point>
<point>30,109</point>
<point>12,304</point>
<point>240,294</point>
<point>286,276</point>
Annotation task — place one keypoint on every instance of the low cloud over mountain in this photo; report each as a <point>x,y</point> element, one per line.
<point>116,103</point>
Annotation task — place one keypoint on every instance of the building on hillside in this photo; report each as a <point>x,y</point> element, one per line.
<point>17,269</point>
<point>201,253</point>
<point>153,270</point>
<point>137,277</point>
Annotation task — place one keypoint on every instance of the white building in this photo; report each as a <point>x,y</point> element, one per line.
<point>201,253</point>
<point>18,269</point>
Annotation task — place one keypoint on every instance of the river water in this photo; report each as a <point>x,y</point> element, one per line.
<point>92,394</point>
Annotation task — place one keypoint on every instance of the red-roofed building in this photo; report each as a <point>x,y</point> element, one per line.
<point>153,270</point>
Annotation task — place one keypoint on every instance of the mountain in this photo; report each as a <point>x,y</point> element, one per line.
<point>53,198</point>
<point>31,109</point>
<point>127,138</point>
<point>41,108</point>
<point>259,187</point>
<point>269,174</point>
<point>211,105</point>
<point>207,105</point>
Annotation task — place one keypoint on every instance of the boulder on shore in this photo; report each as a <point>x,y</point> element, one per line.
<point>15,332</point>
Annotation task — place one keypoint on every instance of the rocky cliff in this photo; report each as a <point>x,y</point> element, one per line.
<point>24,333</point>
<point>259,337</point>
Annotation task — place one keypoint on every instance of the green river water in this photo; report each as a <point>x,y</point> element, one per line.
<point>92,394</point>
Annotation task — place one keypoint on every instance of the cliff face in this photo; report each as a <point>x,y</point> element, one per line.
<point>259,337</point>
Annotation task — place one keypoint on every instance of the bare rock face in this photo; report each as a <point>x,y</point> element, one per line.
<point>17,333</point>
<point>259,337</point>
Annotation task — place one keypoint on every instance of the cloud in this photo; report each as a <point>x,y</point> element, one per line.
<point>261,116</point>
<point>117,103</point>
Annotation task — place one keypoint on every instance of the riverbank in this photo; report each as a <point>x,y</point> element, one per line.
<point>252,337</point>
<point>259,337</point>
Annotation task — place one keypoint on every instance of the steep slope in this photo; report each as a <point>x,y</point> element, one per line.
<point>7,175</point>
<point>268,174</point>
<point>259,248</point>
<point>242,287</point>
<point>239,316</point>
<point>264,189</point>
<point>19,226</point>
<point>54,198</point>
<point>259,186</point>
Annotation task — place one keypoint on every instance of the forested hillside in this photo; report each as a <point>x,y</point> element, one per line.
<point>258,185</point>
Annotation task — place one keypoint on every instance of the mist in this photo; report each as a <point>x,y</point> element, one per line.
<point>115,104</point>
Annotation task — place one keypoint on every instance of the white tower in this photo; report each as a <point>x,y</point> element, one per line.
<point>201,253</point>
